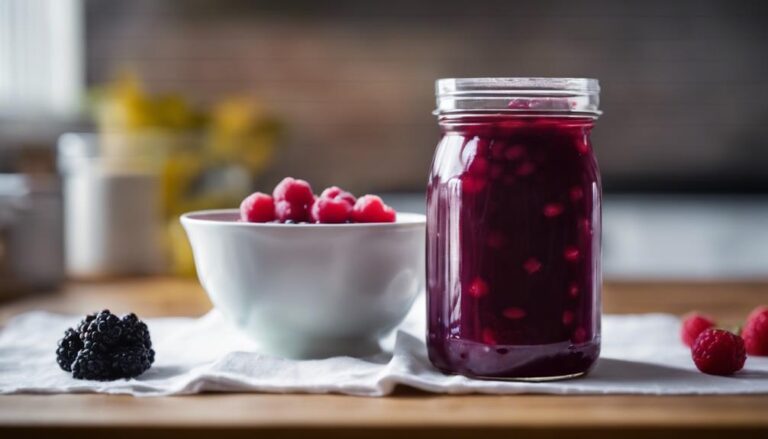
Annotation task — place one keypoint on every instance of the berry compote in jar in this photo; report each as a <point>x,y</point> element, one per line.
<point>513,229</point>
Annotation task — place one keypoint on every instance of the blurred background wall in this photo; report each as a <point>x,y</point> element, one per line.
<point>341,92</point>
<point>685,82</point>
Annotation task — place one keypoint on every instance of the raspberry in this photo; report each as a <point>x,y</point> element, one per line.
<point>497,149</point>
<point>568,317</point>
<point>478,288</point>
<point>532,265</point>
<point>527,168</point>
<point>313,211</point>
<point>755,332</point>
<point>585,226</point>
<point>718,352</point>
<point>331,210</point>
<point>514,152</point>
<point>571,254</point>
<point>257,208</point>
<point>286,211</point>
<point>370,209</point>
<point>693,325</point>
<point>296,192</point>
<point>496,171</point>
<point>293,200</point>
<point>513,313</point>
<point>336,193</point>
<point>576,193</point>
<point>478,166</point>
<point>471,184</point>
<point>552,210</point>
<point>582,145</point>
<point>759,310</point>
<point>495,239</point>
<point>489,336</point>
<point>482,146</point>
<point>579,335</point>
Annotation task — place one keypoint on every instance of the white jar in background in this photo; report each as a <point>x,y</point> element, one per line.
<point>112,208</point>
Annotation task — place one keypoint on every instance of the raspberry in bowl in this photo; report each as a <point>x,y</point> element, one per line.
<point>304,287</point>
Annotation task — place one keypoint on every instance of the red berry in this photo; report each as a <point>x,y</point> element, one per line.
<point>552,210</point>
<point>335,192</point>
<point>514,313</point>
<point>478,288</point>
<point>755,332</point>
<point>576,193</point>
<point>312,211</point>
<point>497,149</point>
<point>718,352</point>
<point>693,325</point>
<point>331,210</point>
<point>489,337</point>
<point>495,239</point>
<point>370,209</point>
<point>579,335</point>
<point>478,166</point>
<point>514,152</point>
<point>571,254</point>
<point>497,171</point>
<point>296,192</point>
<point>582,145</point>
<point>585,226</point>
<point>257,208</point>
<point>472,184</point>
<point>532,265</point>
<point>568,317</point>
<point>527,168</point>
<point>286,211</point>
<point>759,310</point>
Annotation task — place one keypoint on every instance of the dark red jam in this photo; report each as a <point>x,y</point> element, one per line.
<point>513,246</point>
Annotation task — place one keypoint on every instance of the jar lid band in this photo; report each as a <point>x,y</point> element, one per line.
<point>564,96</point>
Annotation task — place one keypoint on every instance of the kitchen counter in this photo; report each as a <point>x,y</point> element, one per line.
<point>428,415</point>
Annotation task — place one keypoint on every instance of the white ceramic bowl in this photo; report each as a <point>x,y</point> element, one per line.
<point>310,290</point>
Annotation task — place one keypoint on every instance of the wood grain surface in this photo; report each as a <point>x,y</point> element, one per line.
<point>408,411</point>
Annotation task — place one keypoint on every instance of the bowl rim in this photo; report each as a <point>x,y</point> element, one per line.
<point>410,220</point>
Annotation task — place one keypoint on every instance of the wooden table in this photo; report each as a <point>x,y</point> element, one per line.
<point>409,411</point>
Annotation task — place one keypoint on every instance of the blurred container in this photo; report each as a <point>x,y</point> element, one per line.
<point>203,158</point>
<point>124,192</point>
<point>31,244</point>
<point>112,209</point>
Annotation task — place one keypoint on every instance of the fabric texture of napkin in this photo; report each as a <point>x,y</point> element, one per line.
<point>641,355</point>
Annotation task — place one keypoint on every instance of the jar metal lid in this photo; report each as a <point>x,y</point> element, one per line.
<point>561,96</point>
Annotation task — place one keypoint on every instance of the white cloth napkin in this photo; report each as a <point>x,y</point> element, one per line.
<point>641,355</point>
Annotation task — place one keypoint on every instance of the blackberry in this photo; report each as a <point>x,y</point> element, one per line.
<point>103,332</point>
<point>92,365</point>
<point>132,361</point>
<point>135,332</point>
<point>106,347</point>
<point>81,327</point>
<point>68,348</point>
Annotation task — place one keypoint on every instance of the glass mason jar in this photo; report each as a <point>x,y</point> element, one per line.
<point>513,229</point>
